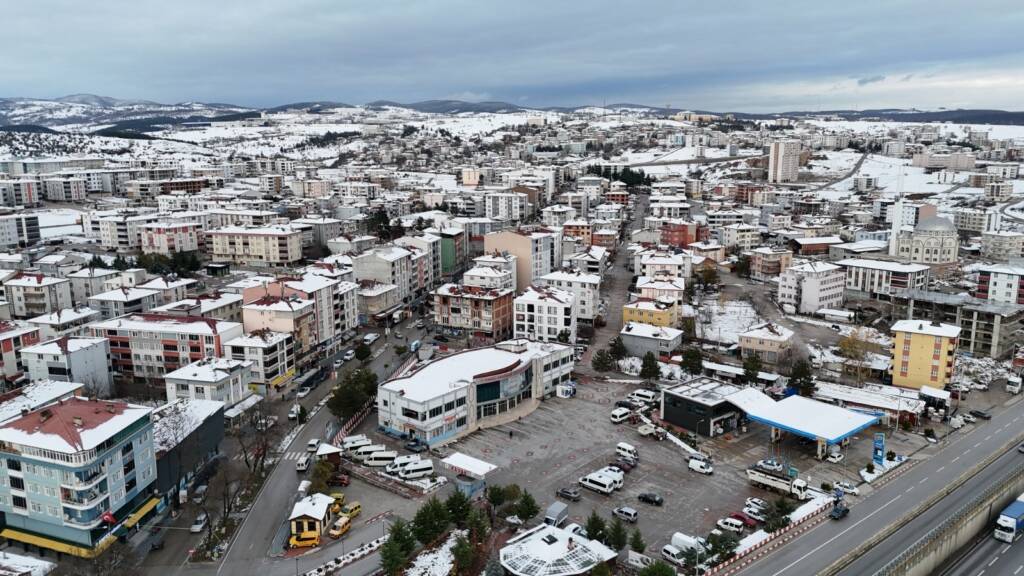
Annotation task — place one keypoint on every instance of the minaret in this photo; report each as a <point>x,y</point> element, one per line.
<point>897,217</point>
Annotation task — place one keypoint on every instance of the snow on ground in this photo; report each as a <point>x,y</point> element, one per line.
<point>834,164</point>
<point>957,131</point>
<point>679,154</point>
<point>887,170</point>
<point>723,322</point>
<point>866,332</point>
<point>886,467</point>
<point>982,369</point>
<point>631,366</point>
<point>806,509</point>
<point>436,562</point>
<point>59,222</point>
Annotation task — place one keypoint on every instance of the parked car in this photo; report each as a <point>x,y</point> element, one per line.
<point>624,404</point>
<point>755,513</point>
<point>757,503</point>
<point>969,418</point>
<point>771,465</point>
<point>338,363</point>
<point>349,354</point>
<point>293,413</point>
<point>569,493</point>
<point>420,324</point>
<point>839,512</point>
<point>199,524</point>
<point>621,459</point>
<point>621,466</point>
<point>416,446</point>
<point>371,338</point>
<point>730,524</point>
<point>303,392</point>
<point>338,479</point>
<point>847,488</point>
<point>700,466</point>
<point>199,494</point>
<point>748,521</point>
<point>398,335</point>
<point>626,513</point>
<point>576,529</point>
<point>984,415</point>
<point>651,498</point>
<point>835,457</point>
<point>440,338</point>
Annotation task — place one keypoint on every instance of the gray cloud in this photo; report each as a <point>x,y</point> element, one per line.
<point>264,52</point>
<point>870,80</point>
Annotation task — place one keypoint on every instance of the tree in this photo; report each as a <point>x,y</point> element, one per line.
<point>601,570</point>
<point>855,348</point>
<point>303,414</point>
<point>477,525</point>
<point>636,541</point>
<point>563,336</point>
<point>458,507</point>
<point>743,267</point>
<point>526,508</point>
<point>649,369</point>
<point>693,360</point>
<point>463,553</point>
<point>801,378</point>
<point>363,352</point>
<point>751,368</point>
<point>322,472</point>
<point>96,262</point>
<point>120,263</point>
<point>496,495</point>
<point>392,558</point>
<point>723,546</point>
<point>346,400</point>
<point>617,348</point>
<point>401,534</point>
<point>494,568</point>
<point>617,537</point>
<point>658,568</point>
<point>431,521</point>
<point>777,514</point>
<point>709,276</point>
<point>595,526</point>
<point>602,361</point>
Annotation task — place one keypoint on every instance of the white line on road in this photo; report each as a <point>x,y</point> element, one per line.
<point>993,561</point>
<point>908,490</point>
<point>1018,569</point>
<point>980,573</point>
<point>941,468</point>
<point>955,459</point>
<point>923,480</point>
<point>832,539</point>
<point>1005,549</point>
<point>987,438</point>
<point>978,444</point>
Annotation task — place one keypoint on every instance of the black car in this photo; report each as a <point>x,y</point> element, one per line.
<point>839,512</point>
<point>416,446</point>
<point>569,493</point>
<point>440,338</point>
<point>981,414</point>
<point>651,498</point>
<point>624,404</point>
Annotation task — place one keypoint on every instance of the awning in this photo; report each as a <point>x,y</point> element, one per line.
<point>57,545</point>
<point>239,408</point>
<point>137,516</point>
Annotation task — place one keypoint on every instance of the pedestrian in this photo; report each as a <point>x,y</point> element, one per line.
<point>509,434</point>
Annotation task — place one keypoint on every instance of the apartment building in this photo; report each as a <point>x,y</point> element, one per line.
<point>659,263</point>
<point>324,228</point>
<point>387,265</point>
<point>336,308</point>
<point>1002,245</point>
<point>662,313</point>
<point>430,245</point>
<point>557,215</point>
<point>485,314</point>
<point>490,278</point>
<point>682,233</point>
<point>542,313</point>
<point>219,305</point>
<point>266,246</point>
<point>585,287</point>
<point>79,359</point>
<point>579,229</point>
<point>499,261</point>
<point>882,278</point>
<point>742,236</point>
<point>784,161</point>
<point>169,288</point>
<point>74,472</point>
<point>24,192</point>
<point>123,232</point>
<point>272,355</point>
<point>923,353</point>
<point>223,379</point>
<point>89,281</point>
<point>15,335</point>
<point>977,220</point>
<point>454,395</point>
<point>768,341</point>
<point>167,238</point>
<point>767,263</point>
<point>121,301</point>
<point>291,315</point>
<point>65,189</point>
<point>662,287</point>
<point>19,230</point>
<point>987,327</point>
<point>147,346</point>
<point>535,253</point>
<point>1001,283</point>
<point>67,322</point>
<point>507,206</point>
<point>810,286</point>
<point>31,295</point>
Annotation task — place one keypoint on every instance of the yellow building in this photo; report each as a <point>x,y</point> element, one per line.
<point>310,517</point>
<point>923,353</point>
<point>656,312</point>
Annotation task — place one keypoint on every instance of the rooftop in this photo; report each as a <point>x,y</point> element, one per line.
<point>460,290</point>
<point>551,551</point>
<point>210,370</point>
<point>312,506</point>
<point>72,425</point>
<point>650,331</point>
<point>32,280</point>
<point>173,422</point>
<point>125,294</point>
<point>206,302</point>
<point>545,294</point>
<point>64,316</point>
<point>167,323</point>
<point>164,283</point>
<point>886,265</point>
<point>64,345</point>
<point>927,328</point>
<point>573,276</point>
<point>275,303</point>
<point>35,394</point>
<point>259,339</point>
<point>768,331</point>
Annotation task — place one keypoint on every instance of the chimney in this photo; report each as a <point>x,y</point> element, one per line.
<point>77,421</point>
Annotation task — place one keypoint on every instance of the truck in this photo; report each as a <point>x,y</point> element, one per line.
<point>1013,385</point>
<point>1010,524</point>
<point>793,486</point>
<point>556,514</point>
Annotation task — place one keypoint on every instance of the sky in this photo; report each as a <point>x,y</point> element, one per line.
<point>720,56</point>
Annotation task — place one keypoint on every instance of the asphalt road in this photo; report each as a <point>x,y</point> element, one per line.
<point>816,549</point>
<point>990,556</point>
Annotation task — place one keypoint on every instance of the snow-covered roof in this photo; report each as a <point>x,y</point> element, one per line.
<point>545,295</point>
<point>251,282</point>
<point>206,302</point>
<point>173,422</point>
<point>873,398</point>
<point>312,506</point>
<point>769,331</point>
<point>12,563</point>
<point>63,345</point>
<point>260,339</point>
<point>35,394</point>
<point>33,280</point>
<point>573,276</point>
<point>886,265</point>
<point>64,316</point>
<point>162,283</point>
<point>149,323</point>
<point>125,294</point>
<point>278,304</point>
<point>819,240</point>
<point>209,370</point>
<point>650,331</point>
<point>927,328</point>
<point>812,419</point>
<point>326,448</point>
<point>551,551</point>
<point>73,425</point>
<point>276,230</point>
<point>310,283</point>
<point>467,465</point>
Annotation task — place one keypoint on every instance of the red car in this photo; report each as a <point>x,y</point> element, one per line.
<point>747,520</point>
<point>625,467</point>
<point>338,479</point>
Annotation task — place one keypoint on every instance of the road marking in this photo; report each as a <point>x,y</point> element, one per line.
<point>908,490</point>
<point>941,468</point>
<point>978,443</point>
<point>980,573</point>
<point>834,538</point>
<point>993,561</point>
<point>955,459</point>
<point>1005,549</point>
<point>1018,569</point>
<point>989,437</point>
<point>923,480</point>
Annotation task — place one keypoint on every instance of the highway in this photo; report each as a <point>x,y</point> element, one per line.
<point>818,548</point>
<point>989,556</point>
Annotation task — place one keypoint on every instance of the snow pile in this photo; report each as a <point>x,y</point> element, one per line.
<point>887,466</point>
<point>805,510</point>
<point>982,370</point>
<point>436,562</point>
<point>631,366</point>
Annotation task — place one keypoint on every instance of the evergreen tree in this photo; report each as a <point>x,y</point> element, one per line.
<point>463,554</point>
<point>617,536</point>
<point>478,526</point>
<point>96,262</point>
<point>602,361</point>
<point>430,521</point>
<point>801,378</point>
<point>709,276</point>
<point>742,268</point>
<point>527,507</point>
<point>493,567</point>
<point>496,495</point>
<point>392,558</point>
<point>693,360</point>
<point>363,352</point>
<point>636,542</point>
<point>563,336</point>
<point>401,534</point>
<point>458,507</point>
<point>601,570</point>
<point>595,526</point>
<point>120,263</point>
<point>751,367</point>
<point>650,370</point>
<point>346,400</point>
<point>777,514</point>
<point>617,348</point>
<point>723,546</point>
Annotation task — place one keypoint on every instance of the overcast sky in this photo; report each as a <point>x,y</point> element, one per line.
<point>743,56</point>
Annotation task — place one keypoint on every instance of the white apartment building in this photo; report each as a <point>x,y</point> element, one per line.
<point>783,161</point>
<point>66,189</point>
<point>977,220</point>
<point>258,246</point>
<point>743,236</point>
<point>241,217</point>
<point>808,287</point>
<point>31,295</point>
<point>67,322</point>
<point>883,277</point>
<point>386,265</point>
<point>89,281</point>
<point>430,244</point>
<point>1002,245</point>
<point>998,191</point>
<point>168,238</point>
<point>662,287</point>
<point>507,206</point>
<point>490,278</point>
<point>19,230</point>
<point>535,253</point>
<point>542,313</point>
<point>219,305</point>
<point>123,232</point>
<point>272,356</point>
<point>222,379</point>
<point>71,359</point>
<point>1001,283</point>
<point>557,215</point>
<point>120,301</point>
<point>585,288</point>
<point>499,261</point>
<point>654,263</point>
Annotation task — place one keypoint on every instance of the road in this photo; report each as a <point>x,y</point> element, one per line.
<point>989,556</point>
<point>249,551</point>
<point>816,549</point>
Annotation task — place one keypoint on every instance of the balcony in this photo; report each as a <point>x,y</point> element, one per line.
<point>81,480</point>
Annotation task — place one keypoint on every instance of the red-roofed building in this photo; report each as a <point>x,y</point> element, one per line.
<point>14,336</point>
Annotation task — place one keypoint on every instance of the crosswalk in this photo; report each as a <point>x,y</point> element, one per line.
<point>294,455</point>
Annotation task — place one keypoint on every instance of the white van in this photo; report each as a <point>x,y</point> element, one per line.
<point>627,450</point>
<point>348,442</point>
<point>363,452</point>
<point>313,445</point>
<point>382,458</point>
<point>700,466</point>
<point>418,469</point>
<point>401,462</point>
<point>302,464</point>
<point>357,444</point>
<point>598,483</point>
<point>615,474</point>
<point>643,395</point>
<point>620,415</point>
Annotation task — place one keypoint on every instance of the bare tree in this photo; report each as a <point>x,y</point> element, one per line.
<point>855,349</point>
<point>117,560</point>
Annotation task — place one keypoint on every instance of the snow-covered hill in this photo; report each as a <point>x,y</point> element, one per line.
<point>88,109</point>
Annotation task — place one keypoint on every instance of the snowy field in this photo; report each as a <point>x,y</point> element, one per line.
<point>996,131</point>
<point>59,222</point>
<point>894,175</point>
<point>723,322</point>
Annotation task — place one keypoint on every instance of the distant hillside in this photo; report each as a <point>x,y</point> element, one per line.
<point>90,109</point>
